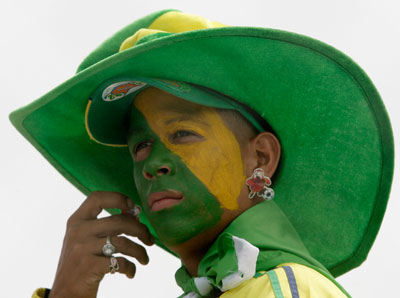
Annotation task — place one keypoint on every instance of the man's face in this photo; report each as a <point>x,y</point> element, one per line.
<point>188,168</point>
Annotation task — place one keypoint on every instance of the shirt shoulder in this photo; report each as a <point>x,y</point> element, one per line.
<point>287,280</point>
<point>41,293</point>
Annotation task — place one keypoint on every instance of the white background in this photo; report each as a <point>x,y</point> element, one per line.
<point>42,43</point>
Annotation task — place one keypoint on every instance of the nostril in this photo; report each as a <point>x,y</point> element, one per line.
<point>147,175</point>
<point>163,171</point>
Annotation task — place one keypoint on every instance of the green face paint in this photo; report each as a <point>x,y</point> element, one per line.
<point>210,150</point>
<point>198,211</point>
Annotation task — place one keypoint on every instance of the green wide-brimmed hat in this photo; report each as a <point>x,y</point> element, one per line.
<point>337,146</point>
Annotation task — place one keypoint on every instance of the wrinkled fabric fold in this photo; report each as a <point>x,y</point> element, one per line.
<point>261,238</point>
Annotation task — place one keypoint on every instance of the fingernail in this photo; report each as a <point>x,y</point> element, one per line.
<point>135,211</point>
<point>130,203</point>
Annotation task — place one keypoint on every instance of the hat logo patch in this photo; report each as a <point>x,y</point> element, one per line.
<point>121,89</point>
<point>174,85</point>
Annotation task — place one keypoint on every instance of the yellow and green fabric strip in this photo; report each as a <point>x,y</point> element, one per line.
<point>292,281</point>
<point>41,293</point>
<point>276,283</point>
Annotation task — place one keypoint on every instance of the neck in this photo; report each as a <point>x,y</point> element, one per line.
<point>192,251</point>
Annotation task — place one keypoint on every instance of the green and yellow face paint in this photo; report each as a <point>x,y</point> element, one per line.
<point>187,164</point>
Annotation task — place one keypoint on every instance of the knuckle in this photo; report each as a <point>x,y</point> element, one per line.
<point>95,197</point>
<point>117,219</point>
<point>74,232</point>
<point>99,198</point>
<point>123,263</point>
<point>77,249</point>
<point>94,194</point>
<point>70,221</point>
<point>123,242</point>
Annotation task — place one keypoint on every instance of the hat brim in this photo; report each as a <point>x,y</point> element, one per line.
<point>113,101</point>
<point>337,147</point>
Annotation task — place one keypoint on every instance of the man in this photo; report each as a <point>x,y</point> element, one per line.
<point>310,160</point>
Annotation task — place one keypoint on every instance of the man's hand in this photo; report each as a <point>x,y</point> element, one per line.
<point>82,264</point>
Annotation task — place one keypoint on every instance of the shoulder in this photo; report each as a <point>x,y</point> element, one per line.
<point>287,280</point>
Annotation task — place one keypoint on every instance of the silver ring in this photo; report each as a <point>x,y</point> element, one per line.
<point>108,248</point>
<point>113,265</point>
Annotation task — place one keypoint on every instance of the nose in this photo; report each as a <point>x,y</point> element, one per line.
<point>160,162</point>
<point>162,170</point>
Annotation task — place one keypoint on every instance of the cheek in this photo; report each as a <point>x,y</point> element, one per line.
<point>140,182</point>
<point>217,163</point>
<point>136,177</point>
<point>198,212</point>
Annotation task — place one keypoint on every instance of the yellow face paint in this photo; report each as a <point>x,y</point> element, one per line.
<point>215,160</point>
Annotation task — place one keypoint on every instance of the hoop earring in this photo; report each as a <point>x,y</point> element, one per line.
<point>259,184</point>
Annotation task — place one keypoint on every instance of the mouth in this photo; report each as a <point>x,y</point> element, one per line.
<point>164,199</point>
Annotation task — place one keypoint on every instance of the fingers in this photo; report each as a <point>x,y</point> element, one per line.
<point>118,224</point>
<point>124,266</point>
<point>82,264</point>
<point>89,233</point>
<point>99,200</point>
<point>124,246</point>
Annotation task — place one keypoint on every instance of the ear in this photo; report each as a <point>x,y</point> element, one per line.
<point>264,151</point>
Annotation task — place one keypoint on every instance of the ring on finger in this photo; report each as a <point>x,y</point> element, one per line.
<point>113,265</point>
<point>108,248</point>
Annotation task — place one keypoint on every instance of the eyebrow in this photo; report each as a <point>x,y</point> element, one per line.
<point>185,118</point>
<point>134,133</point>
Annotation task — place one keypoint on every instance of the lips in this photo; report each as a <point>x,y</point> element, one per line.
<point>164,199</point>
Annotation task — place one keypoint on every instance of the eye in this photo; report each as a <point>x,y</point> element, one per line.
<point>141,150</point>
<point>182,133</point>
<point>141,145</point>
<point>185,136</point>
